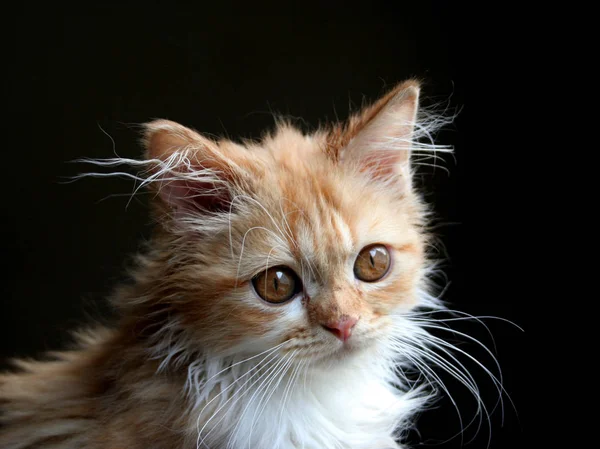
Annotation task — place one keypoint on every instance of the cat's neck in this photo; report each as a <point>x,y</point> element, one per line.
<point>270,400</point>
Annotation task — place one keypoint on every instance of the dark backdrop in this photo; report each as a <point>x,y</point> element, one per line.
<point>78,80</point>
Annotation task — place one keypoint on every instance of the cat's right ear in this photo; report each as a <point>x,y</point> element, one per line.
<point>379,139</point>
<point>190,173</point>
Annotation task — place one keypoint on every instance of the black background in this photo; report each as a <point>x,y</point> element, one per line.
<point>75,75</point>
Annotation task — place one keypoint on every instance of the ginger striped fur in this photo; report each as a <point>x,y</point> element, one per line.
<point>197,359</point>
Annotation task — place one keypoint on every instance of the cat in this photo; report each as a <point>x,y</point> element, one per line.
<point>278,304</point>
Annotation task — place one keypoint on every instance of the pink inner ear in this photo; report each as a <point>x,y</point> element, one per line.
<point>383,142</point>
<point>187,186</point>
<point>383,164</point>
<point>195,196</point>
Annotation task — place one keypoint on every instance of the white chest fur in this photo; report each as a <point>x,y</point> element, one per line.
<point>351,405</point>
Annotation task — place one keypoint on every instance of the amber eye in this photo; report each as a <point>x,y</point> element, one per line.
<point>372,263</point>
<point>277,284</point>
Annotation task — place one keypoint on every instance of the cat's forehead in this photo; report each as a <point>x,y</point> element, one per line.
<point>315,210</point>
<point>289,147</point>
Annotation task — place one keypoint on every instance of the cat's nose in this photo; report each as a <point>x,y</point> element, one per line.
<point>341,328</point>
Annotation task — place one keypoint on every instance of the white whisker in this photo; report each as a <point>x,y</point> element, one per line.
<point>238,393</point>
<point>276,377</point>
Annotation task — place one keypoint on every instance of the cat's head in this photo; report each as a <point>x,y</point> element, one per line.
<point>314,241</point>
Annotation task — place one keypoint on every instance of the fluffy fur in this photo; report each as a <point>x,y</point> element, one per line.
<point>197,359</point>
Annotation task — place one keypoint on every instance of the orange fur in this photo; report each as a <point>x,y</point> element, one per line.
<point>320,206</point>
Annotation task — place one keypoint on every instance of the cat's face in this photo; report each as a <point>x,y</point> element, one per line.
<point>312,242</point>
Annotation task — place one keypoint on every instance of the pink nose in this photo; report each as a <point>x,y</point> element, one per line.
<point>341,328</point>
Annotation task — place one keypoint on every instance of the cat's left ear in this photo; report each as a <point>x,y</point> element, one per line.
<point>192,173</point>
<point>379,139</point>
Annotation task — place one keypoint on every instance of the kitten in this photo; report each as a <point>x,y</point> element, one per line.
<point>278,304</point>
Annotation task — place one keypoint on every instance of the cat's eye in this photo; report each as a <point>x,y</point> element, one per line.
<point>372,263</point>
<point>277,284</point>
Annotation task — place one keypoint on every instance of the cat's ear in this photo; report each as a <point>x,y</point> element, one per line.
<point>190,173</point>
<point>379,139</point>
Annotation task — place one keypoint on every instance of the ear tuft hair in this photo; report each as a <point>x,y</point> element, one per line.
<point>162,137</point>
<point>381,138</point>
<point>381,135</point>
<point>189,174</point>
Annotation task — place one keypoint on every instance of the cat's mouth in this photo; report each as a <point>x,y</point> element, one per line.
<point>327,351</point>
